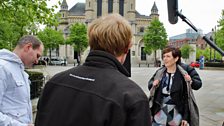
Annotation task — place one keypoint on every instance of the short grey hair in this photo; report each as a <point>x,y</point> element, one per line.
<point>29,39</point>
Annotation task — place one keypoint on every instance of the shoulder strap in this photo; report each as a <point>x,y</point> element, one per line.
<point>194,111</point>
<point>182,71</point>
<point>159,74</point>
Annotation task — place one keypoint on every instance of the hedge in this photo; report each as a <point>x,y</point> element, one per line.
<point>37,81</point>
<point>214,64</point>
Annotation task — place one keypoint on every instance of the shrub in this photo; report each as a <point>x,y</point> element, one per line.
<point>37,81</point>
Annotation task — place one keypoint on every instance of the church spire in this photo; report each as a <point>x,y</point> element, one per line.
<point>64,12</point>
<point>64,5</point>
<point>154,11</point>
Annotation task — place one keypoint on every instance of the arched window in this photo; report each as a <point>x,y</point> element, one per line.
<point>143,54</point>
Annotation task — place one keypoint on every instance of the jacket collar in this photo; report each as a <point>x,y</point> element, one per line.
<point>104,59</point>
<point>11,57</point>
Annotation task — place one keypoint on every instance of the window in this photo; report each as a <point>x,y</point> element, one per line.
<point>143,54</point>
<point>121,7</point>
<point>99,8</point>
<point>110,6</point>
<point>142,29</point>
<point>133,53</point>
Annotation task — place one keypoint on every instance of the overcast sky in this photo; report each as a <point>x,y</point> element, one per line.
<point>204,14</point>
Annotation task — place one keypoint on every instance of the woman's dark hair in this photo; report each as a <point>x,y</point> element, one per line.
<point>175,52</point>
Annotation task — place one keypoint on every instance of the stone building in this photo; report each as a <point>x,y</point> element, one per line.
<point>92,9</point>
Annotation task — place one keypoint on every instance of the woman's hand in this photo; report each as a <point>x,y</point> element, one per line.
<point>155,83</point>
<point>187,77</point>
<point>184,123</point>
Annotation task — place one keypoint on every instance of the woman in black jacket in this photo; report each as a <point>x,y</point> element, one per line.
<point>170,104</point>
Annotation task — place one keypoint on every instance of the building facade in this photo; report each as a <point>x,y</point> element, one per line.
<point>92,9</point>
<point>194,39</point>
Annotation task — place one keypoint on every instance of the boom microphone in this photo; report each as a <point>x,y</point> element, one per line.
<point>172,6</point>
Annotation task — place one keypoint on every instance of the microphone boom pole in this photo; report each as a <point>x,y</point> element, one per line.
<point>210,42</point>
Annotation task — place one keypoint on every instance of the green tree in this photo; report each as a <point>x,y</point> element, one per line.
<point>8,35</point>
<point>78,37</point>
<point>51,39</point>
<point>220,33</point>
<point>207,53</point>
<point>24,16</point>
<point>199,52</point>
<point>155,37</point>
<point>186,49</point>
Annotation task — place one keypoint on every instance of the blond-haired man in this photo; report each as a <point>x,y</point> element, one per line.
<point>97,93</point>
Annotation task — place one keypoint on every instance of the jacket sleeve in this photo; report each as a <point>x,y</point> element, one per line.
<point>196,80</point>
<point>150,82</point>
<point>139,114</point>
<point>5,120</point>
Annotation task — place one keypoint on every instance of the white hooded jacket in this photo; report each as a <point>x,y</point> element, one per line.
<point>15,103</point>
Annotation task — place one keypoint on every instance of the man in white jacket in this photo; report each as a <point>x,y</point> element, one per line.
<point>15,103</point>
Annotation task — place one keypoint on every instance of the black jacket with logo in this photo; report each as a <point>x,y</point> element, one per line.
<point>95,94</point>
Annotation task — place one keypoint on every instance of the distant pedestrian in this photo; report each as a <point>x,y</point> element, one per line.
<point>15,103</point>
<point>47,60</point>
<point>158,63</point>
<point>97,93</point>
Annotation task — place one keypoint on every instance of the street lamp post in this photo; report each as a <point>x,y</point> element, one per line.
<point>210,48</point>
<point>215,43</point>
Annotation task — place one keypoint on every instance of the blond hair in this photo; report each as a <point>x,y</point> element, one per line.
<point>111,33</point>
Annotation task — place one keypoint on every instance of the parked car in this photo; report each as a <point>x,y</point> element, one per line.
<point>41,62</point>
<point>58,61</point>
<point>195,64</point>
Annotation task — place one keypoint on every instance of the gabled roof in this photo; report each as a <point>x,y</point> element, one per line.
<point>138,15</point>
<point>77,10</point>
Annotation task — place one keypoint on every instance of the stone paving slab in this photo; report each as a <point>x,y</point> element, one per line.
<point>210,98</point>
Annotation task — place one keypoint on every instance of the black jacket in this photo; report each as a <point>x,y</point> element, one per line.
<point>178,94</point>
<point>95,94</point>
<point>196,80</point>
